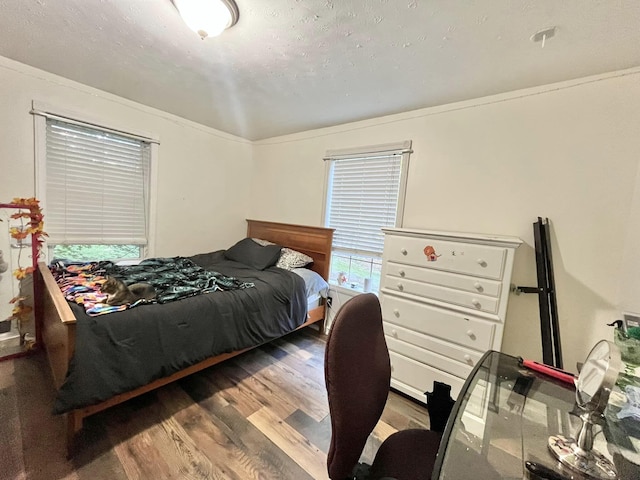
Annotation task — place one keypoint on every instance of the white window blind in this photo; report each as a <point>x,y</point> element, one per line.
<point>96,186</point>
<point>362,198</point>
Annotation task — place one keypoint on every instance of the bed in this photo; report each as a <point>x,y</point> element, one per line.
<point>60,330</point>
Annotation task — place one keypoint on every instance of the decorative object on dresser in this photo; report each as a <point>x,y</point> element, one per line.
<point>444,302</point>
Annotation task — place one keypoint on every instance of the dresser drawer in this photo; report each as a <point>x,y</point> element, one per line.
<point>400,339</point>
<point>481,303</point>
<point>479,260</point>
<point>419,377</point>
<point>483,286</point>
<point>428,357</point>
<point>451,326</point>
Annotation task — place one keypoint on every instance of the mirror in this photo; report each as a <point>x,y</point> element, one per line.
<point>596,379</point>
<point>598,376</point>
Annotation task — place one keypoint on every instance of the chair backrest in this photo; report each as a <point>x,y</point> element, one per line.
<point>357,376</point>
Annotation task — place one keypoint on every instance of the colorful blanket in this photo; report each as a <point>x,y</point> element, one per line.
<point>173,279</point>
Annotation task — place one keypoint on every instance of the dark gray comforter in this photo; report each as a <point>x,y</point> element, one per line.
<point>121,351</point>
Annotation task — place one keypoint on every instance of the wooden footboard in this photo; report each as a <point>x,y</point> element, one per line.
<point>58,326</point>
<point>59,323</point>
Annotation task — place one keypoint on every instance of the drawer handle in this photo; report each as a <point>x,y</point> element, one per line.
<point>476,303</point>
<point>478,286</point>
<point>400,287</point>
<point>471,334</point>
<point>481,262</point>
<point>404,251</point>
<point>401,273</point>
<point>394,333</point>
<point>396,312</point>
<point>467,358</point>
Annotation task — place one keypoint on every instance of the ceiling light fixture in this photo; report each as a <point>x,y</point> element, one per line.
<point>208,18</point>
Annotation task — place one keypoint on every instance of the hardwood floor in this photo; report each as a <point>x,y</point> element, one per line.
<point>262,415</point>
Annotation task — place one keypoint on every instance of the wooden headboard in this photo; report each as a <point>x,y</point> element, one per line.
<point>313,241</point>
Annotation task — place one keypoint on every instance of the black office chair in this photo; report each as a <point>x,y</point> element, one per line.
<point>357,376</point>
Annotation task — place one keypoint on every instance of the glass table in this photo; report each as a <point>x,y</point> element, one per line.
<point>504,416</point>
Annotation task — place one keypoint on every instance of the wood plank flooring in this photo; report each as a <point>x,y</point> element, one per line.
<point>263,415</point>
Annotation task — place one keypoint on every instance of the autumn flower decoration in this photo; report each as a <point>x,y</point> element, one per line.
<point>30,214</point>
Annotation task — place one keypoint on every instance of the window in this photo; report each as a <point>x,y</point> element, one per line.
<point>365,192</point>
<point>95,188</point>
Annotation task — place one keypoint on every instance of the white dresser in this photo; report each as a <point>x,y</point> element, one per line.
<point>444,300</point>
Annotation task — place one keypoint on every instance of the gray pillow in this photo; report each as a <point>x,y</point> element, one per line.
<point>249,253</point>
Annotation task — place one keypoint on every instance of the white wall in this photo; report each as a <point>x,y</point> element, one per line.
<point>569,152</point>
<point>630,281</point>
<point>202,190</point>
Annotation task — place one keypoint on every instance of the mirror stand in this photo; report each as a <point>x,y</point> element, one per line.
<point>593,387</point>
<point>578,454</point>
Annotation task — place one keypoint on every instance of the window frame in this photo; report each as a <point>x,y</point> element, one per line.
<point>41,110</point>
<point>403,148</point>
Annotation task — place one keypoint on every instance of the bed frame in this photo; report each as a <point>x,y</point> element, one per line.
<point>59,323</point>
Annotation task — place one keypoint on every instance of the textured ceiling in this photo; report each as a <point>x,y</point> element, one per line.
<point>294,65</point>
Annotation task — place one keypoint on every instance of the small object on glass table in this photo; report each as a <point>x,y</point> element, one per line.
<point>541,471</point>
<point>554,372</point>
